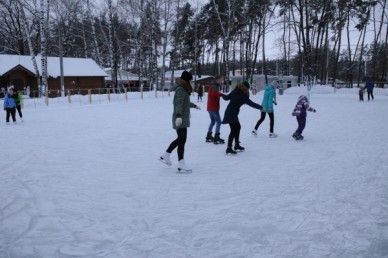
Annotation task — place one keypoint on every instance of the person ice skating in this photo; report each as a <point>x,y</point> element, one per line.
<point>200,93</point>
<point>361,92</point>
<point>269,99</point>
<point>213,108</point>
<point>369,88</point>
<point>180,120</point>
<point>19,100</point>
<point>10,106</point>
<point>238,97</point>
<point>300,111</point>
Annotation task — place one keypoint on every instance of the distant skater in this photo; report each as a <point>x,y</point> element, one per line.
<point>369,88</point>
<point>361,92</point>
<point>10,106</point>
<point>238,97</point>
<point>269,99</point>
<point>302,105</point>
<point>19,101</point>
<point>200,93</point>
<point>180,120</point>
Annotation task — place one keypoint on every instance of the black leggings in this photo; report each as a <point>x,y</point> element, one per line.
<point>19,109</point>
<point>271,121</point>
<point>234,134</point>
<point>179,142</point>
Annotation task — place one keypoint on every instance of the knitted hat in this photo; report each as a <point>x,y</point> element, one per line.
<point>187,76</point>
<point>275,83</point>
<point>246,84</point>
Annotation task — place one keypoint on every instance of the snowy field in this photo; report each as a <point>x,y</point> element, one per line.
<point>84,180</point>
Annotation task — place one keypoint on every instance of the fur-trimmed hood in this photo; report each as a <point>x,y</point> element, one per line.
<point>182,83</point>
<point>243,88</point>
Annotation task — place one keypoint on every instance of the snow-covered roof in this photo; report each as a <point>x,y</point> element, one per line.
<point>122,75</point>
<point>177,73</point>
<point>203,77</point>
<point>78,67</point>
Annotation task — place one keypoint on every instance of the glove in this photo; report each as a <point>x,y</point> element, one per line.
<point>275,103</point>
<point>178,121</point>
<point>197,107</point>
<point>315,111</point>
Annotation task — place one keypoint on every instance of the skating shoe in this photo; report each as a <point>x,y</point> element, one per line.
<point>239,148</point>
<point>273,135</point>
<point>182,168</point>
<point>218,140</point>
<point>254,132</point>
<point>230,150</point>
<point>209,137</point>
<point>165,158</point>
<point>297,136</point>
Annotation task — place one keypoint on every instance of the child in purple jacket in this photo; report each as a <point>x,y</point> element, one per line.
<point>300,111</point>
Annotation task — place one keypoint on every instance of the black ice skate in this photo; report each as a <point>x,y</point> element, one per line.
<point>239,148</point>
<point>209,137</point>
<point>230,150</point>
<point>218,140</point>
<point>297,136</point>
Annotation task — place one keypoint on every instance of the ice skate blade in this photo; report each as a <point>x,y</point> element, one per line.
<point>184,171</point>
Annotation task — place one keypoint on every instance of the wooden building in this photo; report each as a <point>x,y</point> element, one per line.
<point>80,74</point>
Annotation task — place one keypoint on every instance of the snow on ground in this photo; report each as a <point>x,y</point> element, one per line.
<point>84,180</point>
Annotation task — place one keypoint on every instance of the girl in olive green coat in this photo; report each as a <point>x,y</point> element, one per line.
<point>180,120</point>
<point>19,100</point>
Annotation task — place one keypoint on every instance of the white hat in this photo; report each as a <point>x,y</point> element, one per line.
<point>275,83</point>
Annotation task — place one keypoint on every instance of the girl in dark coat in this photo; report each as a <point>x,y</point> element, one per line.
<point>238,97</point>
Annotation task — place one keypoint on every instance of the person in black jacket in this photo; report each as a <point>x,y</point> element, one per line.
<point>238,97</point>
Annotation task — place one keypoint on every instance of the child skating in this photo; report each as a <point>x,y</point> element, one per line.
<point>300,111</point>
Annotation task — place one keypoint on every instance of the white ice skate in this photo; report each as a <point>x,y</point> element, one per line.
<point>273,135</point>
<point>165,158</point>
<point>254,132</point>
<point>182,168</point>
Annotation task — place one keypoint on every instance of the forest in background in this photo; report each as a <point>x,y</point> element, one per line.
<point>320,40</point>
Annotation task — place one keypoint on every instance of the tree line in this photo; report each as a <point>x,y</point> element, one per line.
<point>317,40</point>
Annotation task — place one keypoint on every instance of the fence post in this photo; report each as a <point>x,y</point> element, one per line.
<point>90,96</point>
<point>46,98</point>
<point>141,91</point>
<point>22,103</point>
<point>126,94</point>
<point>69,96</point>
<point>108,93</point>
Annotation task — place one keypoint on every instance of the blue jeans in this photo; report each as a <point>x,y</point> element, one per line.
<point>214,119</point>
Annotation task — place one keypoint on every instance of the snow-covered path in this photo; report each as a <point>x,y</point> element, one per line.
<point>84,180</point>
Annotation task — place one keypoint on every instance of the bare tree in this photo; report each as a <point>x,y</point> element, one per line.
<point>44,10</point>
<point>27,35</point>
